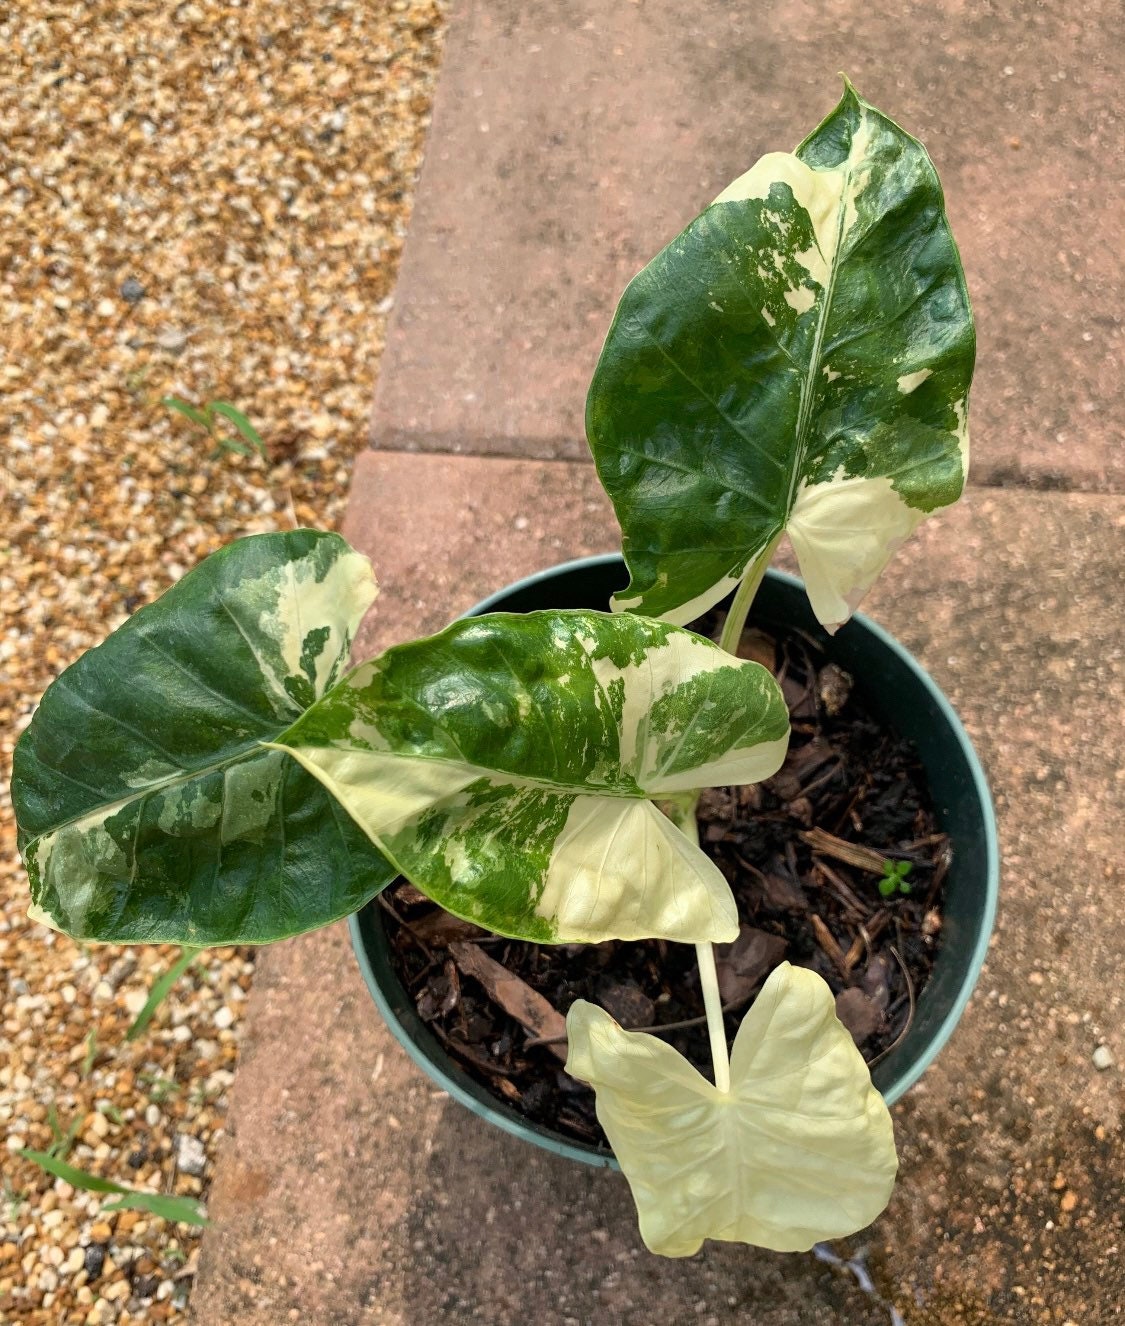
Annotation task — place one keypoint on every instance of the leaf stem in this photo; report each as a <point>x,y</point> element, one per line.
<point>682,814</point>
<point>744,597</point>
<point>712,1002</point>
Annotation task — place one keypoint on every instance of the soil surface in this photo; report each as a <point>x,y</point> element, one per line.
<point>806,854</point>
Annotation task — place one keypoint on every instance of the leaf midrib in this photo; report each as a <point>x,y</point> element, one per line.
<point>809,385</point>
<point>160,785</point>
<point>510,779</point>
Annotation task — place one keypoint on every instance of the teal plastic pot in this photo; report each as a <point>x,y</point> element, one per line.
<point>899,692</point>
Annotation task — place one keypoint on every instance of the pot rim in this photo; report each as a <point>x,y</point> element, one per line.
<point>518,1126</point>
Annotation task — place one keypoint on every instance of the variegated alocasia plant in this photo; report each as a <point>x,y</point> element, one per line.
<point>798,362</point>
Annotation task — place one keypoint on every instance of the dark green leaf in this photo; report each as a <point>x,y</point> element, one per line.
<point>798,360</point>
<point>150,808</point>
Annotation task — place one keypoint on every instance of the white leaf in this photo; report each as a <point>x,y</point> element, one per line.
<point>800,1149</point>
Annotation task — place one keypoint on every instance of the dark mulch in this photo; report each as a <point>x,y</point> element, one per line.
<point>803,853</point>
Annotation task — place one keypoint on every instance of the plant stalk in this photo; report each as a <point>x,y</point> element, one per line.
<point>682,814</point>
<point>712,1002</point>
<point>744,597</point>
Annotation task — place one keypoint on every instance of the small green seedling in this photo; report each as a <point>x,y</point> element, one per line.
<point>14,1200</point>
<point>209,420</point>
<point>135,382</point>
<point>91,1052</point>
<point>894,878</point>
<point>61,1141</point>
<point>174,1256</point>
<point>185,1210</point>
<point>159,1087</point>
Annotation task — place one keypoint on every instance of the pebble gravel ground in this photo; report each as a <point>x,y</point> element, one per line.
<point>205,199</point>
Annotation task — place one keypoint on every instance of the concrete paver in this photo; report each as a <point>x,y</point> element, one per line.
<point>352,1193</point>
<point>572,140</point>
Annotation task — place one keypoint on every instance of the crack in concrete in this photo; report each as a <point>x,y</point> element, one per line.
<point>568,451</point>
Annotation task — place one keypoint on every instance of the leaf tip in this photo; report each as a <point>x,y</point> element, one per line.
<point>36,914</point>
<point>851,95</point>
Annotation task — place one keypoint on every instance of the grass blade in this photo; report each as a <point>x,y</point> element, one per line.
<point>77,1178</point>
<point>160,990</point>
<point>232,444</point>
<point>185,1210</point>
<point>197,417</point>
<point>240,421</point>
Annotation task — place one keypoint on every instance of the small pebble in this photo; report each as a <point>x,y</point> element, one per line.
<point>1103,1058</point>
<point>132,292</point>
<point>120,1289</point>
<point>172,339</point>
<point>191,1157</point>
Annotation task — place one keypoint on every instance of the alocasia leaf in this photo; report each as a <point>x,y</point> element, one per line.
<point>800,1149</point>
<point>149,808</point>
<point>506,765</point>
<point>798,360</point>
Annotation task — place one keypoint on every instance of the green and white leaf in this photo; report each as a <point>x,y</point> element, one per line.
<point>149,809</point>
<point>505,766</point>
<point>798,360</point>
<point>800,1149</point>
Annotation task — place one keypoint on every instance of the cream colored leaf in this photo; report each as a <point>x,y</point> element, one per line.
<point>800,1149</point>
<point>844,533</point>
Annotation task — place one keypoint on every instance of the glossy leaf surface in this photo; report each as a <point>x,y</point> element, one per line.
<point>149,809</point>
<point>801,1148</point>
<point>798,360</point>
<point>506,765</point>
